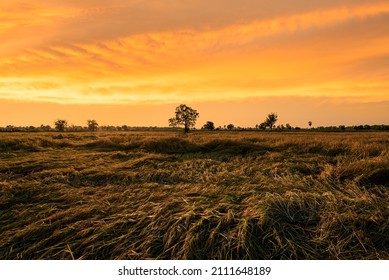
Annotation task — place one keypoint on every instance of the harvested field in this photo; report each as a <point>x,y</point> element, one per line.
<point>205,195</point>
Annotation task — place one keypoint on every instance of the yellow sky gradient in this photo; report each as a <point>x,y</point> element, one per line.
<point>307,60</point>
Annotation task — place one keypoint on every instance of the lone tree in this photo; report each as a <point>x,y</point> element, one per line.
<point>185,116</point>
<point>209,126</point>
<point>310,124</point>
<point>60,125</point>
<point>271,120</point>
<point>92,125</point>
<point>230,126</point>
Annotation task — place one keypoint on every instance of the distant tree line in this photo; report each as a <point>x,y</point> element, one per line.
<point>77,128</point>
<point>186,117</point>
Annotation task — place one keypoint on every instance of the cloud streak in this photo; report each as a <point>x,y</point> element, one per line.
<point>104,55</point>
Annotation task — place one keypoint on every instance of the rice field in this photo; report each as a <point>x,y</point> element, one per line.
<point>205,195</point>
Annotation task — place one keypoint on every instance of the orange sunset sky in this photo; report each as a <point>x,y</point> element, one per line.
<point>133,61</point>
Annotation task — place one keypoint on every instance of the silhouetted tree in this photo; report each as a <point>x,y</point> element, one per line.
<point>185,116</point>
<point>367,127</point>
<point>209,126</point>
<point>92,125</point>
<point>288,126</point>
<point>230,126</point>
<point>271,120</point>
<point>310,124</point>
<point>60,125</point>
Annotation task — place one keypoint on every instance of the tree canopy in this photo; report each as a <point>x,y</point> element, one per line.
<point>185,116</point>
<point>209,126</point>
<point>92,125</point>
<point>60,125</point>
<point>271,120</point>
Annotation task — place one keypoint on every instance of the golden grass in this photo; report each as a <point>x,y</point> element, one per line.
<point>206,195</point>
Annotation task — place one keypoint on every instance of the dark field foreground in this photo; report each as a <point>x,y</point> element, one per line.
<point>227,195</point>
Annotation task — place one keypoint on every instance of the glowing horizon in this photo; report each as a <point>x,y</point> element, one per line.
<point>150,53</point>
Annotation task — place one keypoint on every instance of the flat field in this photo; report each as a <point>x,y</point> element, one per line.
<point>206,195</point>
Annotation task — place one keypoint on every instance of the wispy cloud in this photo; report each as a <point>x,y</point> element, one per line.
<point>101,54</point>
